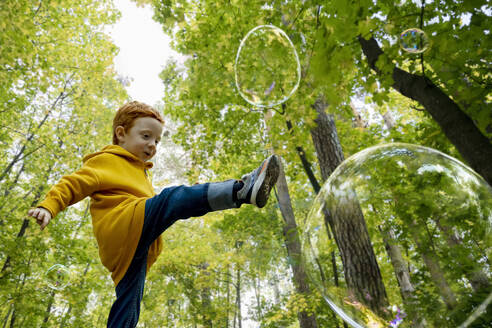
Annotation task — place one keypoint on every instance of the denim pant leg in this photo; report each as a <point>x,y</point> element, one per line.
<point>161,212</point>
<point>173,204</point>
<point>129,292</point>
<point>183,202</point>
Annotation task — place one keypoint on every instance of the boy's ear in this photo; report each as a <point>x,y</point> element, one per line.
<point>120,133</point>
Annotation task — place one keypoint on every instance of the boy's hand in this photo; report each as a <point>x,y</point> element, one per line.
<point>42,216</point>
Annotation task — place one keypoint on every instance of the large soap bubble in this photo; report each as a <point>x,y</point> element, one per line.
<point>400,236</point>
<point>267,67</point>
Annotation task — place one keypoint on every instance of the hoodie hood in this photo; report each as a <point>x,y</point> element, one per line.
<point>119,151</point>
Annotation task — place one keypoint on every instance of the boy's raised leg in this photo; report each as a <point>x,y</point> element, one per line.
<point>182,202</point>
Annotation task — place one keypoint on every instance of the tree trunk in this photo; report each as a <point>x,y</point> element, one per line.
<point>65,316</point>
<point>326,142</point>
<point>238,296</point>
<point>475,148</point>
<point>293,244</point>
<point>403,277</point>
<point>361,270</point>
<point>432,263</point>
<point>389,120</point>
<point>9,312</point>
<point>316,186</point>
<point>306,320</point>
<point>276,289</point>
<point>358,120</point>
<point>399,264</point>
<point>402,271</point>
<point>257,284</point>
<point>228,297</point>
<point>347,224</point>
<point>206,298</point>
<point>477,277</point>
<point>48,309</point>
<point>305,163</point>
<point>12,318</point>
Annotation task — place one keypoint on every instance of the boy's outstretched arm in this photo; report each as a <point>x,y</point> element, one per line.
<point>69,190</point>
<point>42,216</point>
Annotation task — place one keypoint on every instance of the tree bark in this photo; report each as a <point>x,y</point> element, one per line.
<point>402,271</point>
<point>358,120</point>
<point>477,277</point>
<point>475,148</point>
<point>389,120</point>
<point>257,285</point>
<point>65,316</point>
<point>399,264</point>
<point>305,163</point>
<point>430,260</point>
<point>228,297</point>
<point>316,186</point>
<point>9,312</point>
<point>349,229</point>
<point>238,297</point>
<point>432,263</point>
<point>48,309</point>
<point>293,245</point>
<point>276,289</point>
<point>206,298</point>
<point>402,275</point>
<point>326,142</point>
<point>12,319</point>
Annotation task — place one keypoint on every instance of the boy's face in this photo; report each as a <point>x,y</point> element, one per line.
<point>142,138</point>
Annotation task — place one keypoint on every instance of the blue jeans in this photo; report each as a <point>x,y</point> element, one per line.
<point>161,212</point>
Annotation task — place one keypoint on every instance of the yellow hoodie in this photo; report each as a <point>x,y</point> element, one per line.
<point>117,183</point>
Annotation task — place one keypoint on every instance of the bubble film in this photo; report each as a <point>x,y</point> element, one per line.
<point>57,277</point>
<point>400,236</point>
<point>414,41</point>
<point>267,68</point>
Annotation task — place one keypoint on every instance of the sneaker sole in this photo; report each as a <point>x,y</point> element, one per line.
<point>266,180</point>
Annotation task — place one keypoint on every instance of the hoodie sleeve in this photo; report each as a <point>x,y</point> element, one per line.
<point>72,188</point>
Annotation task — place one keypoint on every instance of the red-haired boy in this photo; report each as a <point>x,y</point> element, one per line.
<point>127,216</point>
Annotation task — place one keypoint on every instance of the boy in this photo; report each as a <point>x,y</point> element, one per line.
<point>127,216</point>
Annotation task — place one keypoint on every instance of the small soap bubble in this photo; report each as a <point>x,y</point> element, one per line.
<point>267,68</point>
<point>57,277</point>
<point>414,41</point>
<point>426,220</point>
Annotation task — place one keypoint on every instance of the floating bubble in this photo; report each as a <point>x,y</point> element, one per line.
<point>414,41</point>
<point>57,277</point>
<point>267,68</point>
<point>406,231</point>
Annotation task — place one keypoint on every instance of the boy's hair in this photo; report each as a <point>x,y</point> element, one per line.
<point>126,115</point>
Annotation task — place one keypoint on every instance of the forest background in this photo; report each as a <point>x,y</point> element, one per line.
<point>59,90</point>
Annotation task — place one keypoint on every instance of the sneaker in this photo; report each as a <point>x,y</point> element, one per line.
<point>257,184</point>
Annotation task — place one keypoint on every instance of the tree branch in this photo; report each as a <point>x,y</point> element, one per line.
<point>475,148</point>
